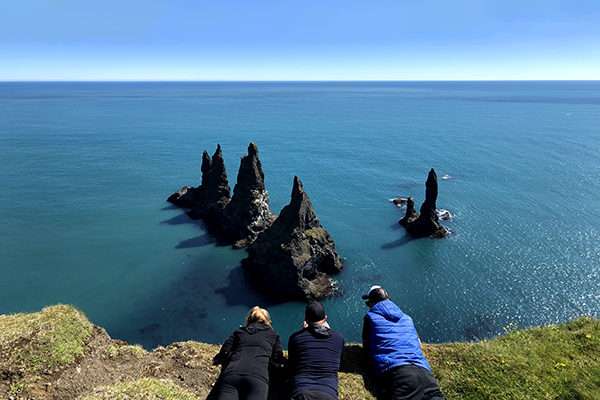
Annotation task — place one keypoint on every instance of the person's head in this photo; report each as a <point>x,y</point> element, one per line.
<point>375,295</point>
<point>314,313</point>
<point>257,314</point>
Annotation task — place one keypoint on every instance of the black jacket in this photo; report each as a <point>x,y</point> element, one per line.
<point>250,351</point>
<point>315,355</point>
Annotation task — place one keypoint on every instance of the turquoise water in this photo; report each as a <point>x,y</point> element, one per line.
<point>85,170</point>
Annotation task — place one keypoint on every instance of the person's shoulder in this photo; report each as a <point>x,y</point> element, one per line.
<point>294,335</point>
<point>338,338</point>
<point>337,334</point>
<point>241,329</point>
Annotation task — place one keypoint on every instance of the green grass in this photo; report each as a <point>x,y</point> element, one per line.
<point>114,352</point>
<point>553,362</point>
<point>40,342</point>
<point>142,389</point>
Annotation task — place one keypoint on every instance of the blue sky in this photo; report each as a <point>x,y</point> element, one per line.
<point>299,40</point>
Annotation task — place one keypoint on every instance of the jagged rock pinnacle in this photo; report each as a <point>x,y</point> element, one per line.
<point>248,214</point>
<point>295,255</point>
<point>426,224</point>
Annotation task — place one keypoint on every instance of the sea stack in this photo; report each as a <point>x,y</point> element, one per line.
<point>426,224</point>
<point>248,213</point>
<point>294,257</point>
<point>411,214</point>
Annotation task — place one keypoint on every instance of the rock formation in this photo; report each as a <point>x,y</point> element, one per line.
<point>248,213</point>
<point>400,201</point>
<point>185,197</point>
<point>214,193</point>
<point>295,255</point>
<point>426,224</point>
<point>241,217</point>
<point>291,254</point>
<point>411,214</point>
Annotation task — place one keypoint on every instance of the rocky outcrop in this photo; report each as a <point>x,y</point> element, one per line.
<point>241,217</point>
<point>248,214</point>
<point>214,193</point>
<point>426,224</point>
<point>294,257</point>
<point>411,214</point>
<point>185,197</point>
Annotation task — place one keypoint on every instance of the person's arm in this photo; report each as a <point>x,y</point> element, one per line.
<point>292,355</point>
<point>223,356</point>
<point>277,353</point>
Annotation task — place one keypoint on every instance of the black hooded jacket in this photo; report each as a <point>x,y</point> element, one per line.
<point>250,350</point>
<point>315,355</point>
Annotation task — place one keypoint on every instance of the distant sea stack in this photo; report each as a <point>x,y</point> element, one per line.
<point>426,224</point>
<point>295,256</point>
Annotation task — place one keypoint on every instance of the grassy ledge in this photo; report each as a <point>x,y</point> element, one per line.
<point>53,354</point>
<point>552,362</point>
<point>142,389</point>
<point>40,343</point>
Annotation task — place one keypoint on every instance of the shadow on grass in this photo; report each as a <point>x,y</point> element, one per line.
<point>355,363</point>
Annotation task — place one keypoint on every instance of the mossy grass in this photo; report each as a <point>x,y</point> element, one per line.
<point>142,389</point>
<point>552,362</point>
<point>114,352</point>
<point>41,342</point>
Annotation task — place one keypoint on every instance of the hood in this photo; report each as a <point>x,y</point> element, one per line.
<point>388,310</point>
<point>319,331</point>
<point>255,327</point>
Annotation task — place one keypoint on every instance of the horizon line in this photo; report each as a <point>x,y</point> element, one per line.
<point>294,80</point>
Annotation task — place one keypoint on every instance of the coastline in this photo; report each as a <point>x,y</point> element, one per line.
<point>58,353</point>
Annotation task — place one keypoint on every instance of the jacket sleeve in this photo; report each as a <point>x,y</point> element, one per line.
<point>292,354</point>
<point>277,353</point>
<point>225,353</point>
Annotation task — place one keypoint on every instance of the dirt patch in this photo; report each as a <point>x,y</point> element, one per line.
<point>108,362</point>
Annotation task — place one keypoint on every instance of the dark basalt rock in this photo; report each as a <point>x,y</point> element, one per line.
<point>292,255</point>
<point>241,217</point>
<point>426,224</point>
<point>295,255</point>
<point>214,194</point>
<point>185,197</point>
<point>411,214</point>
<point>248,213</point>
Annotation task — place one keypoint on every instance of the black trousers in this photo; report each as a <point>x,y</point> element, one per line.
<point>234,387</point>
<point>409,382</point>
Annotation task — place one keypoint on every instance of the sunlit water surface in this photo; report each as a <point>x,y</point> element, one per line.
<point>86,168</point>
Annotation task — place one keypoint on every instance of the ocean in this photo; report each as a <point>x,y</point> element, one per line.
<point>86,168</point>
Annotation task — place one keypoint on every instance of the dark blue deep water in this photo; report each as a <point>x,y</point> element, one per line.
<point>86,168</point>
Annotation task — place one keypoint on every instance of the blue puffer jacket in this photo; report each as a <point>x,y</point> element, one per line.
<point>393,340</point>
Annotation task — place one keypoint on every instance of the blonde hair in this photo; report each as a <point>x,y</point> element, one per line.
<point>257,314</point>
